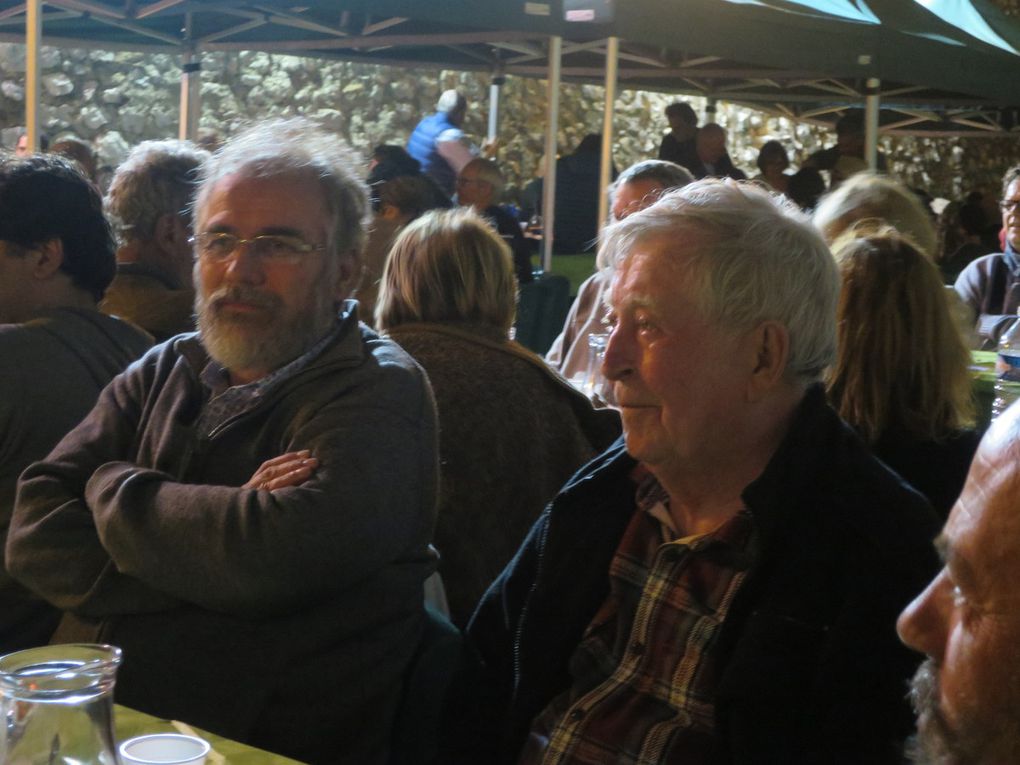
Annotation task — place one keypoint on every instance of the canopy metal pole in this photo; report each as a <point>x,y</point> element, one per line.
<point>711,107</point>
<point>33,40</point>
<point>551,130</point>
<point>191,88</point>
<point>606,166</point>
<point>498,79</point>
<point>871,104</point>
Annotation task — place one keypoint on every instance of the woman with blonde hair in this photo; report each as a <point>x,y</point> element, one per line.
<point>512,431</point>
<point>870,196</point>
<point>901,377</point>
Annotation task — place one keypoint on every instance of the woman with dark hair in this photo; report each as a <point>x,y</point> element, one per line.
<point>773,162</point>
<point>512,431</point>
<point>901,377</point>
<point>390,162</point>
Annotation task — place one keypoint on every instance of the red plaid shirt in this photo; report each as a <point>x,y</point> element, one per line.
<point>645,672</point>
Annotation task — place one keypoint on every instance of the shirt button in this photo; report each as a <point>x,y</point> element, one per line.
<point>576,715</point>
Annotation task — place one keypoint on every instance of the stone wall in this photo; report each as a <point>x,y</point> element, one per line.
<point>118,99</point>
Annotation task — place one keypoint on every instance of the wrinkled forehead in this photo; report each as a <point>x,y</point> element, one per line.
<point>268,194</point>
<point>664,264</point>
<point>984,525</point>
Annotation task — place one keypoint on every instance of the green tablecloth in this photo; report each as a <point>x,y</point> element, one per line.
<point>130,723</point>
<point>983,374</point>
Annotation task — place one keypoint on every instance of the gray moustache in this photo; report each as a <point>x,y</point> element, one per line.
<point>247,295</point>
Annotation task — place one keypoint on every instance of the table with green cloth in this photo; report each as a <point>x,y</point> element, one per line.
<point>130,723</point>
<point>983,375</point>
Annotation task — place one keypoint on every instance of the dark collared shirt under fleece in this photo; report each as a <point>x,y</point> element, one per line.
<point>646,671</point>
<point>227,401</point>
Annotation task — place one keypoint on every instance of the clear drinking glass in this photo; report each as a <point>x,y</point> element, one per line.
<point>56,703</point>
<point>593,380</point>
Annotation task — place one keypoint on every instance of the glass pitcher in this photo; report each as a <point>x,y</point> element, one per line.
<point>56,705</point>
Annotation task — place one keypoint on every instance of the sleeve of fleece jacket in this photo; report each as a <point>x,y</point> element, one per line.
<point>239,551</point>
<point>971,285</point>
<point>53,547</point>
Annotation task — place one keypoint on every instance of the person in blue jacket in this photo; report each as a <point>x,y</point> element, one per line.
<point>439,144</point>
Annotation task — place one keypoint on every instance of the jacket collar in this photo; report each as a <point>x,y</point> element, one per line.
<point>794,464</point>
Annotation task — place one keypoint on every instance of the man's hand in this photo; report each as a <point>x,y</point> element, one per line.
<point>290,469</point>
<point>490,147</point>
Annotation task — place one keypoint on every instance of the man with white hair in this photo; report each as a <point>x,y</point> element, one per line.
<point>247,511</point>
<point>967,693</point>
<point>439,144</point>
<point>722,584</point>
<point>149,204</point>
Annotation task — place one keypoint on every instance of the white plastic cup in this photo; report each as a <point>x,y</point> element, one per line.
<point>164,749</point>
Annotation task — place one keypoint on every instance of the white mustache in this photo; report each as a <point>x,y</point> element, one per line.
<point>243,294</point>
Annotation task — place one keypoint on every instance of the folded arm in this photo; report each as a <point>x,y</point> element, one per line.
<point>242,550</point>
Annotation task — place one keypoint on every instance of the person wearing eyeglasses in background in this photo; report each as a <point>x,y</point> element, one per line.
<point>991,285</point>
<point>247,511</point>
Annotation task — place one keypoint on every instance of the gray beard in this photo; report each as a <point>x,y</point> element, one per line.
<point>933,743</point>
<point>240,342</point>
<point>991,738</point>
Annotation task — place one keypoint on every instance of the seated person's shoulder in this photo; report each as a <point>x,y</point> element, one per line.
<point>388,364</point>
<point>976,275</point>
<point>863,497</point>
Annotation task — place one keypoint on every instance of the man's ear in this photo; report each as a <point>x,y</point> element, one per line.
<point>47,258</point>
<point>348,274</point>
<point>168,233</point>
<point>769,344</point>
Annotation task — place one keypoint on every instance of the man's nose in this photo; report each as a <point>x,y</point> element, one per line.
<point>922,625</point>
<point>618,360</point>
<point>244,266</point>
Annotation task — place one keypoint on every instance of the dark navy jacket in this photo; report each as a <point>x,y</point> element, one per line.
<point>811,667</point>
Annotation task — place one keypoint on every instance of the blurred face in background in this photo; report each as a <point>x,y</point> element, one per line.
<point>1011,214</point>
<point>711,144</point>
<point>472,190</point>
<point>635,196</point>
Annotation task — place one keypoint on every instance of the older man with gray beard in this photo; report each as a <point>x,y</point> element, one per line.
<point>247,511</point>
<point>967,694</point>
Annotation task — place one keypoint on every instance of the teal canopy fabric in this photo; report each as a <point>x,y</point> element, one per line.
<point>849,10</point>
<point>963,15</point>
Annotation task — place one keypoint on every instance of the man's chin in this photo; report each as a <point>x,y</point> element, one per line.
<point>937,741</point>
